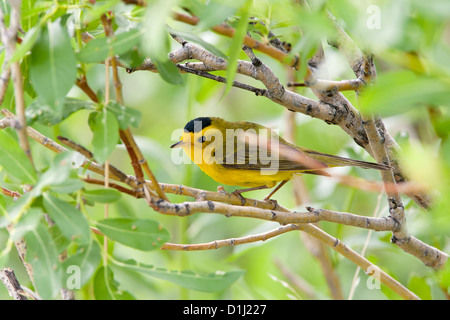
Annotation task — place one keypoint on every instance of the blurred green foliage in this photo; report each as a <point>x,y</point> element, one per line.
<point>410,41</point>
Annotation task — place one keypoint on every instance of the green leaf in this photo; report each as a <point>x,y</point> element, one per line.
<point>136,233</point>
<point>100,8</point>
<point>214,13</point>
<point>53,66</point>
<point>207,282</point>
<point>57,175</point>
<point>70,221</point>
<point>399,91</point>
<point>42,255</point>
<point>105,135</point>
<point>67,186</point>
<point>196,39</point>
<point>156,43</point>
<point>27,43</point>
<point>86,260</point>
<point>42,113</point>
<point>99,49</point>
<point>14,161</point>
<point>27,223</point>
<point>2,205</point>
<point>168,71</point>
<point>420,286</point>
<point>236,44</point>
<point>106,288</point>
<point>443,276</point>
<point>16,209</point>
<point>125,116</point>
<point>102,195</point>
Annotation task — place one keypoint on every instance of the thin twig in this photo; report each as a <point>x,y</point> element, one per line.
<point>298,282</point>
<point>237,84</point>
<point>230,242</point>
<point>329,85</point>
<point>138,161</point>
<point>356,258</point>
<point>9,193</point>
<point>363,251</point>
<point>8,277</point>
<point>9,39</point>
<point>228,31</point>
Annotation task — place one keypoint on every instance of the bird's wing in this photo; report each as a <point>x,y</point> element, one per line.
<point>254,151</point>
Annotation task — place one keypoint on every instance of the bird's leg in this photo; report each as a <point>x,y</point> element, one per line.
<point>239,191</point>
<point>275,190</point>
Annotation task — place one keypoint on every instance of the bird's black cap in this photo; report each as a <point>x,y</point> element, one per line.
<point>197,124</point>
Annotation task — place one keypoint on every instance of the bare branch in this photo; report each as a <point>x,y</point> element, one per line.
<point>9,38</point>
<point>228,31</point>
<point>230,242</point>
<point>8,277</point>
<point>360,261</point>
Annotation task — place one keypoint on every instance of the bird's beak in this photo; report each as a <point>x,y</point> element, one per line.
<point>177,144</point>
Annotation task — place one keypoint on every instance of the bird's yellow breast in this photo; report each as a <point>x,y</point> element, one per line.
<point>244,178</point>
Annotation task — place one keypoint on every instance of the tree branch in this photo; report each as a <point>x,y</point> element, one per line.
<point>8,277</point>
<point>230,242</point>
<point>9,39</point>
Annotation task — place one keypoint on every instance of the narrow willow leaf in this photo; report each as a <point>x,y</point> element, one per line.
<point>67,186</point>
<point>27,223</point>
<point>105,135</point>
<point>420,286</point>
<point>100,8</point>
<point>156,43</point>
<point>107,288</point>
<point>399,91</point>
<point>137,233</point>
<point>53,65</point>
<point>99,49</point>
<point>196,39</point>
<point>56,175</point>
<point>214,13</point>
<point>42,113</point>
<point>83,264</point>
<point>27,43</point>
<point>125,116</point>
<point>70,221</point>
<point>16,209</point>
<point>13,159</point>
<point>102,195</point>
<point>42,255</point>
<point>236,44</point>
<point>207,282</point>
<point>168,71</point>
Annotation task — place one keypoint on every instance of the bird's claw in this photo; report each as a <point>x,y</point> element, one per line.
<point>240,196</point>
<point>272,201</point>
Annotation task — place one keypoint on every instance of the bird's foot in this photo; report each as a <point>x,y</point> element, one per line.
<point>272,201</point>
<point>238,194</point>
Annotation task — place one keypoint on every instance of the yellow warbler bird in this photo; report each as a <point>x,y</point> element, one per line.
<point>250,155</point>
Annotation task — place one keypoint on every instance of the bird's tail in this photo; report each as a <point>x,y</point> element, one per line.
<point>335,161</point>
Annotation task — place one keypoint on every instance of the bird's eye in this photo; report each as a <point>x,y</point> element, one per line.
<point>202,139</point>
